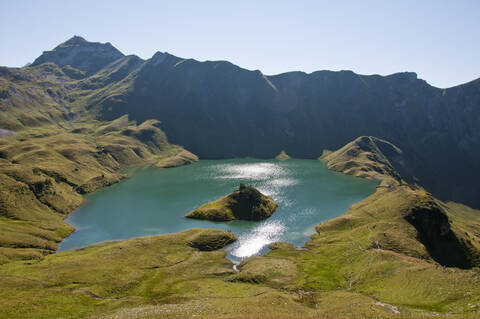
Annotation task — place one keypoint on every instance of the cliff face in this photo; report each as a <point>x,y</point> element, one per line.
<point>218,110</point>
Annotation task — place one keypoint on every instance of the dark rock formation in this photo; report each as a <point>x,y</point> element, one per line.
<point>434,231</point>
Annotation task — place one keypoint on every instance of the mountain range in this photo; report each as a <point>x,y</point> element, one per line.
<point>216,109</point>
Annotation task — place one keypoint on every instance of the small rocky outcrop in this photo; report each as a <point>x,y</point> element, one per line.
<point>212,239</point>
<point>282,156</point>
<point>246,203</point>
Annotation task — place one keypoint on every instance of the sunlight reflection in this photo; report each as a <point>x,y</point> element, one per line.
<point>257,171</point>
<point>252,242</point>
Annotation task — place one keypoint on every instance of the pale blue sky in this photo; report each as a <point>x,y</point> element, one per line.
<point>440,40</point>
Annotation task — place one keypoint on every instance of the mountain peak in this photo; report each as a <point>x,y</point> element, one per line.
<point>81,54</point>
<point>75,40</point>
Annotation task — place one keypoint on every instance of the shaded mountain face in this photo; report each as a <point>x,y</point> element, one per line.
<point>218,110</point>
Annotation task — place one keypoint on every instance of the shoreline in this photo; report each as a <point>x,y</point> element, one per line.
<point>299,245</point>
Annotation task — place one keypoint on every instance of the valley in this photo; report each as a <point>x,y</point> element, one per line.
<point>372,218</point>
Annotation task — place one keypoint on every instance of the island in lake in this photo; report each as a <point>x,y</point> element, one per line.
<point>246,203</point>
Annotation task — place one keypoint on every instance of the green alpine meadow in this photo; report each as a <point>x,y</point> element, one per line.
<point>168,187</point>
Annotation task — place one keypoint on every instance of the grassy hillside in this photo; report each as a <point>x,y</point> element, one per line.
<point>400,253</point>
<point>367,157</point>
<point>108,276</point>
<point>44,172</point>
<point>368,263</point>
<point>33,97</point>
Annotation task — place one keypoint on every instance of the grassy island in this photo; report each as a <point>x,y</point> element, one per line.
<point>246,203</point>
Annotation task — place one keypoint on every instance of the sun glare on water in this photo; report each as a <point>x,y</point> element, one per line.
<point>252,242</point>
<point>251,171</point>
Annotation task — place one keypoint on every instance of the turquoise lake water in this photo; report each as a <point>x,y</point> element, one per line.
<point>154,202</point>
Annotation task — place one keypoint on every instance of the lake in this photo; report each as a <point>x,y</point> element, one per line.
<point>154,202</point>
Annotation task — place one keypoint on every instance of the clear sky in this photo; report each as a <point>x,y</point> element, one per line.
<point>439,39</point>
